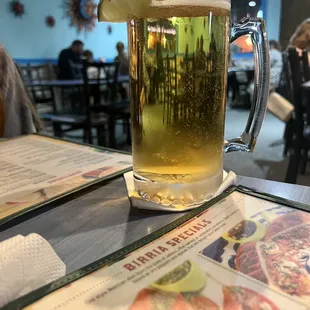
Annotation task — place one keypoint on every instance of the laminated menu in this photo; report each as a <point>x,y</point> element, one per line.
<point>242,250</point>
<point>37,169</point>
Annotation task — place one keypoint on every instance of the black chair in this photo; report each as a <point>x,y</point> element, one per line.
<point>241,79</point>
<point>300,141</point>
<point>95,106</point>
<point>104,94</point>
<point>76,116</point>
<point>305,66</point>
<point>285,90</point>
<point>24,76</point>
<point>306,106</point>
<point>77,70</point>
<point>72,96</point>
<point>55,70</point>
<point>23,71</point>
<point>43,96</point>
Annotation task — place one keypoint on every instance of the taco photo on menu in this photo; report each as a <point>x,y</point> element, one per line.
<point>184,288</point>
<point>282,259</point>
<point>245,231</point>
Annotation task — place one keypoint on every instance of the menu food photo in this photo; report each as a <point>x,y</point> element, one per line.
<point>35,169</point>
<point>239,251</point>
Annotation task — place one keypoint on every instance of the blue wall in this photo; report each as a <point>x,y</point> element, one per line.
<point>273,18</point>
<point>29,37</point>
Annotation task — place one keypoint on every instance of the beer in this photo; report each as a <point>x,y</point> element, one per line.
<point>178,69</point>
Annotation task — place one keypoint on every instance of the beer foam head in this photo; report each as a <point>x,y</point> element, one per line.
<point>123,10</point>
<point>223,4</point>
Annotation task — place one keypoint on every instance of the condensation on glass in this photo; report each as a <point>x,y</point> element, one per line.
<point>178,69</point>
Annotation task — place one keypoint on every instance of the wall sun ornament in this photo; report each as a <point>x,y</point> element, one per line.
<point>17,8</point>
<point>50,21</point>
<point>82,14</point>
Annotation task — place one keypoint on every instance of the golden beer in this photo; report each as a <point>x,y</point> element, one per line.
<point>178,63</point>
<point>178,59</point>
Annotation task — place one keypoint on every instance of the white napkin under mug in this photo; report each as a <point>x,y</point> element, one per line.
<point>140,203</point>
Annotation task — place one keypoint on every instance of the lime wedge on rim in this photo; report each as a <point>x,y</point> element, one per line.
<point>108,11</point>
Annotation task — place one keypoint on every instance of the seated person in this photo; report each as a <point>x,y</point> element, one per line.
<point>17,114</point>
<point>122,58</point>
<point>276,64</point>
<point>71,55</point>
<point>276,67</point>
<point>92,72</point>
<point>88,56</point>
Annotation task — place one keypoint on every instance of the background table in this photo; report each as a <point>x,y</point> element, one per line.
<point>239,69</point>
<point>71,83</point>
<point>101,222</point>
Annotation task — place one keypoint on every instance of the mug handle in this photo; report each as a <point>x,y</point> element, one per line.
<point>256,28</point>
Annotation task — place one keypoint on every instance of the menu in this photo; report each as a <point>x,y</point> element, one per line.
<point>35,169</point>
<point>242,253</point>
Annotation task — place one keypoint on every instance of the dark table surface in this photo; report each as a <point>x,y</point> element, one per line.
<point>238,69</point>
<point>101,222</point>
<point>63,83</point>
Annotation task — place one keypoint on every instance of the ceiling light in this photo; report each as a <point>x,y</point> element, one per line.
<point>252,3</point>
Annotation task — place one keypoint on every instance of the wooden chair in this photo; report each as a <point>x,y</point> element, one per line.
<point>301,134</point>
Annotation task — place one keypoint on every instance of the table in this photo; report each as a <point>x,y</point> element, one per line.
<point>71,83</point>
<point>101,222</point>
<point>239,69</point>
<point>57,89</point>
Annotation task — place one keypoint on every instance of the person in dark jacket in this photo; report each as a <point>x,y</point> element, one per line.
<point>70,55</point>
<point>122,58</point>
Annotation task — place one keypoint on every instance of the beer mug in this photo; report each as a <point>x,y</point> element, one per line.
<point>178,69</point>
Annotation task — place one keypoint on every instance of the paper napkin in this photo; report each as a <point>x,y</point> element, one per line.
<point>138,202</point>
<point>26,263</point>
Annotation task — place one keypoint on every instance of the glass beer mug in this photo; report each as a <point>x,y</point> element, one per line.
<point>178,69</point>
